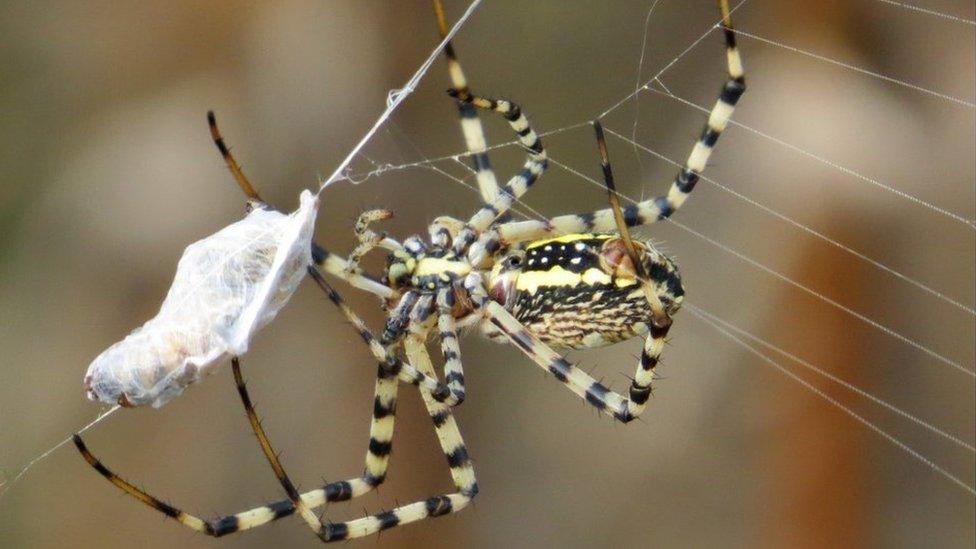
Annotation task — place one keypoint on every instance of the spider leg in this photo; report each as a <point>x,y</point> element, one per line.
<point>599,396</point>
<point>336,265</point>
<point>462,471</point>
<point>407,373</point>
<point>377,458</point>
<point>296,498</point>
<point>647,211</point>
<point>447,333</point>
<point>474,133</point>
<point>399,318</point>
<point>443,230</point>
<point>421,312</point>
<point>411,313</point>
<point>368,239</point>
<point>452,445</point>
<point>517,186</point>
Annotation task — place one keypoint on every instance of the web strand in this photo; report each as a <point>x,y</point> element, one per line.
<point>927,11</point>
<point>703,316</point>
<point>845,384</point>
<point>671,63</point>
<point>396,97</point>
<point>6,486</point>
<point>854,68</point>
<point>843,169</point>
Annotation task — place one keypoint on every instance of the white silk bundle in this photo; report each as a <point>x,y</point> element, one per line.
<point>226,288</point>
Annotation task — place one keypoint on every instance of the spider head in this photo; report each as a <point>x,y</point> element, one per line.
<point>503,277</point>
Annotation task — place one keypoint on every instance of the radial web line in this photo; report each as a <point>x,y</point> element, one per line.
<point>520,210</point>
<point>397,97</point>
<point>854,68</point>
<point>929,12</point>
<point>701,315</point>
<point>381,169</point>
<point>804,228</point>
<point>640,71</point>
<point>843,169</point>
<point>847,385</point>
<point>6,486</point>
<point>783,277</point>
<point>631,95</point>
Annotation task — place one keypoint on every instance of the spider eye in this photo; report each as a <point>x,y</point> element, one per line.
<point>513,261</point>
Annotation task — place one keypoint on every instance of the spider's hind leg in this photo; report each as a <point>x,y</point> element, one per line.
<point>377,459</point>
<point>462,471</point>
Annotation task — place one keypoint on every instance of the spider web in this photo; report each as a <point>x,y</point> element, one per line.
<point>392,147</point>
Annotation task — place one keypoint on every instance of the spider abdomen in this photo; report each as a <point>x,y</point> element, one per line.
<point>584,315</point>
<point>581,290</point>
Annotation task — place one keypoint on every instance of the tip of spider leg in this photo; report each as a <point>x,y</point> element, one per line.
<point>211,117</point>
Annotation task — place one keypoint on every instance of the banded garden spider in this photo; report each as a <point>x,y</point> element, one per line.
<point>572,281</point>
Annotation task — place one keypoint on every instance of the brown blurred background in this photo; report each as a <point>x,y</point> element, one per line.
<point>108,172</point>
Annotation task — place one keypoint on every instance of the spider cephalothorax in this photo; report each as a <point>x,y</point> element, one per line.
<point>581,290</point>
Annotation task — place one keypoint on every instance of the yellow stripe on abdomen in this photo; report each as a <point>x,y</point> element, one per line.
<point>531,281</point>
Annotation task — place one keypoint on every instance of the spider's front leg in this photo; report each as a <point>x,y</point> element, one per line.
<point>369,239</point>
<point>519,184</point>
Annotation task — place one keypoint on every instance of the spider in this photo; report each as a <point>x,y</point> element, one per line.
<point>575,281</point>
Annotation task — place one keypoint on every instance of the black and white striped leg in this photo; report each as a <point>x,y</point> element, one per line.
<point>337,266</point>
<point>369,239</point>
<point>377,458</point>
<point>471,128</point>
<point>519,184</point>
<point>578,381</point>
<point>421,313</point>
<point>462,471</point>
<point>447,334</point>
<point>443,230</point>
<point>406,373</point>
<point>647,211</point>
<point>398,320</point>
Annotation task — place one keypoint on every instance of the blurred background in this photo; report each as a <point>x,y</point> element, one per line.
<point>108,172</point>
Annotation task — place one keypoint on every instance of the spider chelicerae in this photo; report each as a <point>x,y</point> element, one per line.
<point>575,281</point>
